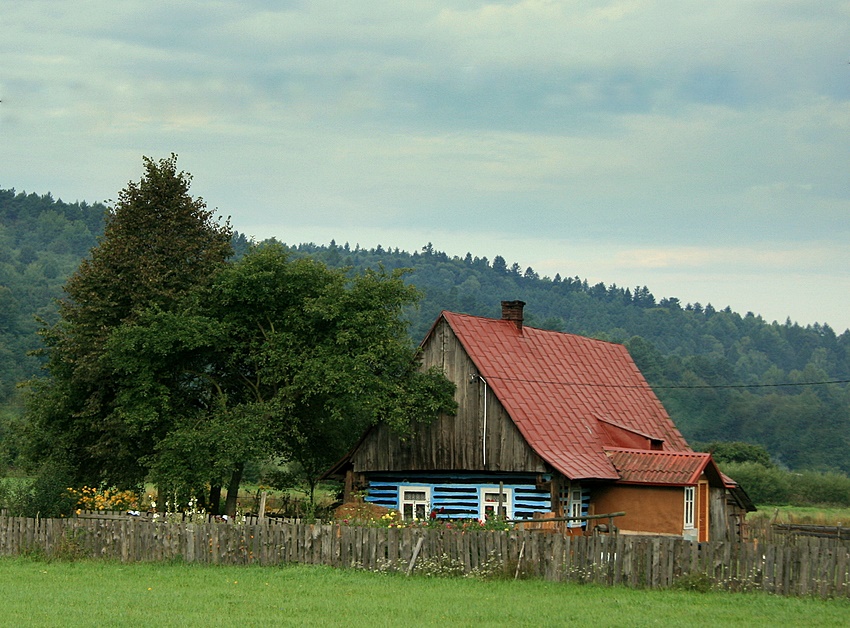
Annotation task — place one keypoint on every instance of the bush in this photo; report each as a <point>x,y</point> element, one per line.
<point>764,485</point>
<point>738,452</point>
<point>820,489</point>
<point>775,487</point>
<point>49,497</point>
<point>46,496</point>
<point>14,494</point>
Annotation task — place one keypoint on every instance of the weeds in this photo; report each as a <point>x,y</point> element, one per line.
<point>69,547</point>
<point>444,566</point>
<point>697,582</point>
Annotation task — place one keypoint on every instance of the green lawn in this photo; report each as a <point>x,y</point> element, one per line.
<point>36,593</point>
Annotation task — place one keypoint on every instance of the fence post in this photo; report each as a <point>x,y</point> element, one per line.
<point>261,513</point>
<point>415,555</point>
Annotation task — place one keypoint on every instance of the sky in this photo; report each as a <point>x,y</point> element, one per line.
<point>701,149</point>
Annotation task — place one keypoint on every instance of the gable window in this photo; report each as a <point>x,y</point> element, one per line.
<point>414,502</point>
<point>689,507</point>
<point>496,503</point>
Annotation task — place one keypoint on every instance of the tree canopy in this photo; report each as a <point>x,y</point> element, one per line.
<point>159,243</point>
<point>169,362</point>
<point>275,358</point>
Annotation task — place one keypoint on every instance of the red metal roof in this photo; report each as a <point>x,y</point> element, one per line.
<point>556,387</point>
<point>678,468</point>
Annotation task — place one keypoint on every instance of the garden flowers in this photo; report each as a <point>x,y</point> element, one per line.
<point>90,498</point>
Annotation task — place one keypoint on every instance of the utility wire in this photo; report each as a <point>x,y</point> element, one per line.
<point>673,386</point>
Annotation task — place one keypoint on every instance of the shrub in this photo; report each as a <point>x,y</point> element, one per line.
<point>773,486</point>
<point>820,489</point>
<point>764,485</point>
<point>47,496</point>
<point>14,494</point>
<point>738,452</point>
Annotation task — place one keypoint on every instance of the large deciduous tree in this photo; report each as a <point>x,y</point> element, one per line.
<point>277,357</point>
<point>159,244</point>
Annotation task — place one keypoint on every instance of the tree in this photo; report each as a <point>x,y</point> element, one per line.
<point>159,244</point>
<point>277,357</point>
<point>738,452</point>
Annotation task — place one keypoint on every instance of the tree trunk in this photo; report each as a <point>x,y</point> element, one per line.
<point>233,490</point>
<point>215,500</point>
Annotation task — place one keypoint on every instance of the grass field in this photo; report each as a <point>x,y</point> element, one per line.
<point>815,515</point>
<point>37,593</point>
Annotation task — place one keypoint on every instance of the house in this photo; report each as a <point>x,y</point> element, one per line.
<point>547,422</point>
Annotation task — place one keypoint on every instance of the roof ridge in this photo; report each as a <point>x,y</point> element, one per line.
<point>654,452</point>
<point>536,329</point>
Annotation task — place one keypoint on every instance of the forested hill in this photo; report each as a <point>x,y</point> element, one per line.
<point>721,375</point>
<point>42,241</point>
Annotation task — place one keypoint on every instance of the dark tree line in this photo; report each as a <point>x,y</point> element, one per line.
<point>42,241</point>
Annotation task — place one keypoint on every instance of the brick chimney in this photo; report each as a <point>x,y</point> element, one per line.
<point>512,311</point>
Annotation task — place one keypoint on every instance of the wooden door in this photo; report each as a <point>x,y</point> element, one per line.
<point>702,509</point>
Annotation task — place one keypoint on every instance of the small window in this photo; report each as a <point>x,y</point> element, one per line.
<point>575,508</point>
<point>414,502</point>
<point>497,504</point>
<point>689,507</point>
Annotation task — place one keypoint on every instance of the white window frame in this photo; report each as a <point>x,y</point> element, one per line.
<point>486,503</point>
<point>575,507</point>
<point>690,507</point>
<point>418,505</point>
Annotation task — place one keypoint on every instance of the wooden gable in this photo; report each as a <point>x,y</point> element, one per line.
<point>457,442</point>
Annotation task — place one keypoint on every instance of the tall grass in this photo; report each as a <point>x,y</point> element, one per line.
<point>37,593</point>
<point>813,515</point>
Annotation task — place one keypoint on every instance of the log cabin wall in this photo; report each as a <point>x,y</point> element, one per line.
<point>452,442</point>
<point>726,516</point>
<point>461,495</point>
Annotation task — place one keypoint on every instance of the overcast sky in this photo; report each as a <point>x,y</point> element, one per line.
<point>699,148</point>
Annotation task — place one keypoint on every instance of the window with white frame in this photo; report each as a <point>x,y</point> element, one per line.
<point>575,507</point>
<point>414,502</point>
<point>496,503</point>
<point>689,507</point>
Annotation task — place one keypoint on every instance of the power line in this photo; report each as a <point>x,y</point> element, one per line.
<point>672,386</point>
<point>782,385</point>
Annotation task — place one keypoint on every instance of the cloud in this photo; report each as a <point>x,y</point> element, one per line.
<point>798,259</point>
<point>682,135</point>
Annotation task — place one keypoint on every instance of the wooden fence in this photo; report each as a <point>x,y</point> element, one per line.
<point>805,529</point>
<point>801,566</point>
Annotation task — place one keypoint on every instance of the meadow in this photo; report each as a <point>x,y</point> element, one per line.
<point>814,515</point>
<point>42,593</point>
